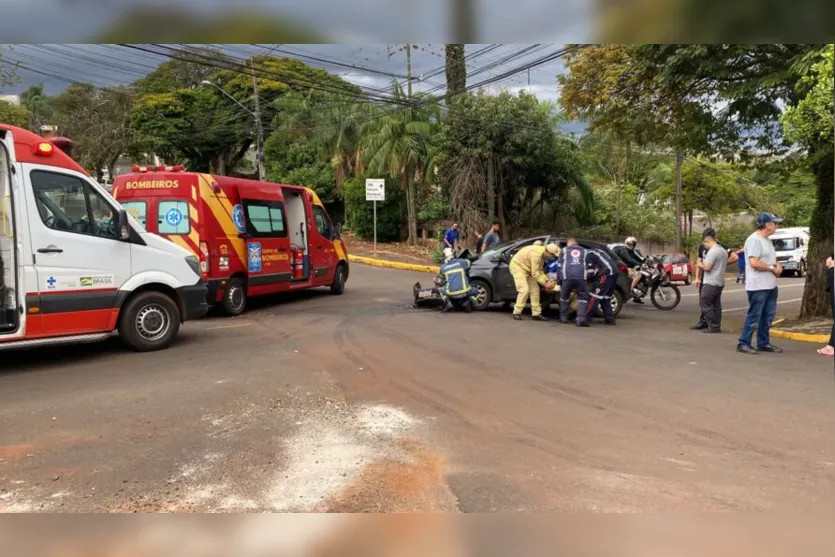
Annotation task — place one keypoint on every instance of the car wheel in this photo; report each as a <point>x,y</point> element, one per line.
<point>338,284</point>
<point>801,270</point>
<point>484,297</point>
<point>149,321</point>
<point>234,298</point>
<point>617,302</point>
<point>689,280</point>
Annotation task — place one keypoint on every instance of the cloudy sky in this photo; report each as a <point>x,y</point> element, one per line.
<point>346,21</point>
<point>371,66</point>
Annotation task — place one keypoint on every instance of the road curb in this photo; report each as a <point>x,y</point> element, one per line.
<point>393,264</point>
<point>802,337</point>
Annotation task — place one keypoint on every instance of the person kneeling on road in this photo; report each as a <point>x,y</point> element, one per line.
<point>603,283</point>
<point>573,272</point>
<point>456,292</point>
<point>527,270</point>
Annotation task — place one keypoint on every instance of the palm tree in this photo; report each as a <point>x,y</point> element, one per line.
<point>38,104</point>
<point>397,144</point>
<point>340,135</point>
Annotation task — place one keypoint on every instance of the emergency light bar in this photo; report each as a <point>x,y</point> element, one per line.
<point>175,168</point>
<point>44,148</point>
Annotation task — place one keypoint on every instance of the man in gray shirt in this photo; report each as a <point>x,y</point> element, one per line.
<point>761,272</point>
<point>491,239</point>
<point>712,269</point>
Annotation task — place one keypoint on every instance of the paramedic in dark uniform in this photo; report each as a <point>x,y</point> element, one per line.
<point>573,269</point>
<point>603,283</point>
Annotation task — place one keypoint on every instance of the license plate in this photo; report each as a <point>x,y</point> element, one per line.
<point>425,294</point>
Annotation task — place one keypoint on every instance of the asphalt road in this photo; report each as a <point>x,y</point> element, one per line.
<point>361,402</point>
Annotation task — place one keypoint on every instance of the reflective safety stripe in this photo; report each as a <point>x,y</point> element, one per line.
<point>464,284</point>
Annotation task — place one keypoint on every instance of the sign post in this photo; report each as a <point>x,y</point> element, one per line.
<point>375,190</point>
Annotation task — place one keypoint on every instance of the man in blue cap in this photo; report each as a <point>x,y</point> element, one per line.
<point>761,273</point>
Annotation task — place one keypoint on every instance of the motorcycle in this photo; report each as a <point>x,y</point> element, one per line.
<point>663,294</point>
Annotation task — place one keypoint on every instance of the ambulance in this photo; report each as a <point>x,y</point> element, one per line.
<point>74,266</point>
<point>252,238</point>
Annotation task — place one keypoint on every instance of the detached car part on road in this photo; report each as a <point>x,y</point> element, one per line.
<point>490,274</point>
<point>74,266</point>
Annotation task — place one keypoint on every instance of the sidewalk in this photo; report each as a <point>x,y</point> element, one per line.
<point>817,331</point>
<point>391,255</point>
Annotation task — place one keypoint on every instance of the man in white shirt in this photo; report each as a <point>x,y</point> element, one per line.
<point>761,272</point>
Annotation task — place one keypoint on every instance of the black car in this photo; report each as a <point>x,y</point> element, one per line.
<point>490,273</point>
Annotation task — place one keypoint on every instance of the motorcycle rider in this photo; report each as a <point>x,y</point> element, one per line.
<point>573,273</point>
<point>456,292</point>
<point>603,283</point>
<point>633,259</point>
<point>527,270</point>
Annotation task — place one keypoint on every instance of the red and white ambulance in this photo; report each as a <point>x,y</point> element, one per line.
<point>252,238</point>
<point>74,267</point>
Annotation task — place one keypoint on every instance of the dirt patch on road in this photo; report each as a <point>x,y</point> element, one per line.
<point>340,458</point>
<point>412,483</point>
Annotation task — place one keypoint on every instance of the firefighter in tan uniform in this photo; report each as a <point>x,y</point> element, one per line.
<point>527,269</point>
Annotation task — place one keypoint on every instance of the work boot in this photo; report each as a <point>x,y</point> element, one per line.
<point>770,348</point>
<point>468,306</point>
<point>447,307</point>
<point>699,327</point>
<point>745,349</point>
<point>517,317</point>
<point>540,318</point>
<point>612,323</point>
<point>583,324</point>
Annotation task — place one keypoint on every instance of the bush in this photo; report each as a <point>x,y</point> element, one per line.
<point>360,213</point>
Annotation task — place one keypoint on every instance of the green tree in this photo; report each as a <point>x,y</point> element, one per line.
<point>808,123</point>
<point>503,155</point>
<point>397,144</point>
<point>389,212</point>
<point>8,71</point>
<point>39,105</point>
<point>97,120</point>
<point>14,115</point>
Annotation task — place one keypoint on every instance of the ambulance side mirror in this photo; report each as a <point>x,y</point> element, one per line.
<point>124,225</point>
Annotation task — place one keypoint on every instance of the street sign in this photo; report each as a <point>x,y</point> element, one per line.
<point>375,189</point>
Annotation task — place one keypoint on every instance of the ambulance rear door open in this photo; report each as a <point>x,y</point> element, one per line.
<point>12,293</point>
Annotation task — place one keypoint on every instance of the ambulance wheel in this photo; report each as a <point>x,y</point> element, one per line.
<point>338,284</point>
<point>485,295</point>
<point>234,299</point>
<point>149,321</point>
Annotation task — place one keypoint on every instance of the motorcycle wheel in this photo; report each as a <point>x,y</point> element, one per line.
<point>665,296</point>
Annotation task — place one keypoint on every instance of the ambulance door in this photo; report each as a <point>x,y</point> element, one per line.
<point>78,257</point>
<point>323,255</point>
<point>268,246</point>
<point>13,241</point>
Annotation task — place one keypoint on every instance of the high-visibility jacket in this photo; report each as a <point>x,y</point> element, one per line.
<point>457,281</point>
<point>531,261</point>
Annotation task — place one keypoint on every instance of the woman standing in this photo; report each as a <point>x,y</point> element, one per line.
<point>829,349</point>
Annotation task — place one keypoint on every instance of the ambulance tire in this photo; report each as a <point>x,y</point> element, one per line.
<point>338,284</point>
<point>149,321</point>
<point>234,298</point>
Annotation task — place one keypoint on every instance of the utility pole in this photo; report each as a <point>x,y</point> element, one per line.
<point>409,69</point>
<point>259,128</point>
<point>679,162</point>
